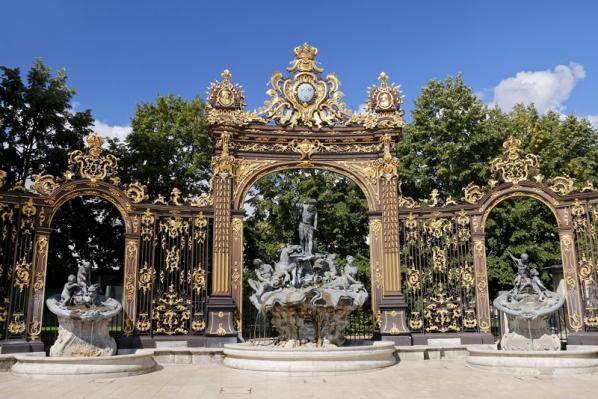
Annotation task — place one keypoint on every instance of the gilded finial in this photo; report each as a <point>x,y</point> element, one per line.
<point>226,75</point>
<point>383,78</point>
<point>306,51</point>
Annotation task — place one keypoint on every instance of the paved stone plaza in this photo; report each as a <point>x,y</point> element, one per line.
<point>425,379</point>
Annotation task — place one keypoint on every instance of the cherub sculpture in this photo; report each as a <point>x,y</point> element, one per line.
<point>69,288</point>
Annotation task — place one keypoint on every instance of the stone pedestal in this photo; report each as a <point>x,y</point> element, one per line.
<point>529,335</point>
<point>83,329</point>
<point>83,338</point>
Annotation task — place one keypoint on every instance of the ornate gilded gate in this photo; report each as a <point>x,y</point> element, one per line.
<point>427,259</point>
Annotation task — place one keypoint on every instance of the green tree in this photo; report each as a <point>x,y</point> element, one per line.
<point>450,140</point>
<point>168,147</point>
<point>38,127</point>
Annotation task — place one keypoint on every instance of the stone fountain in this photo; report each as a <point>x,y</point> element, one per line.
<point>84,345</point>
<point>528,308</point>
<point>83,317</point>
<point>529,347</point>
<point>309,300</point>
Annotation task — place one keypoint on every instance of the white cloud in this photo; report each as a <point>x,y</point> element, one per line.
<point>111,131</point>
<point>593,120</point>
<point>548,89</point>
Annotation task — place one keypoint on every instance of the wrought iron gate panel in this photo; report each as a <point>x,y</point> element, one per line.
<point>439,282</point>
<point>17,235</point>
<point>584,217</point>
<point>173,273</point>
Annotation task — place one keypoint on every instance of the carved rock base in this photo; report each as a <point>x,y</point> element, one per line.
<point>83,338</point>
<point>529,335</point>
<point>306,322</point>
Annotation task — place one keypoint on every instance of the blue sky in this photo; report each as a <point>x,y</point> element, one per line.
<point>120,53</point>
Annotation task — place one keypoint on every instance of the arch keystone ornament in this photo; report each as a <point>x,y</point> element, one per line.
<point>304,125</point>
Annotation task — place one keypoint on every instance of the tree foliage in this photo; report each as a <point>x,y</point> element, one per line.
<point>38,127</point>
<point>86,228</point>
<point>168,147</point>
<point>450,140</point>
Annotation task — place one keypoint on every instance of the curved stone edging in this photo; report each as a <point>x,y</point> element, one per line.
<point>309,360</point>
<point>535,362</point>
<point>101,366</point>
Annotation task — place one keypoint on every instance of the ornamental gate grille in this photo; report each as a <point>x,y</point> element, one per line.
<point>183,262</point>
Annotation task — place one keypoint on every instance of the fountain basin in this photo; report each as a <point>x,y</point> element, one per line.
<point>534,362</point>
<point>100,366</point>
<point>309,360</point>
<point>83,330</point>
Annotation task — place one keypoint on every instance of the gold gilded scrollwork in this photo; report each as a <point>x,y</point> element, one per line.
<point>175,197</point>
<point>17,324</point>
<point>306,148</point>
<point>226,102</point>
<point>93,164</point>
<point>562,185</point>
<point>44,184</point>
<point>22,274</point>
<point>147,275</point>
<point>514,166</point>
<point>198,279</point>
<point>383,107</point>
<point>473,193</point>
<point>147,225</point>
<point>171,313</point>
<point>136,192</point>
<point>305,98</point>
<point>173,257</point>
<point>3,175</point>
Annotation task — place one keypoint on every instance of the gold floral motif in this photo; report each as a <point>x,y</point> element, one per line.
<point>473,193</point>
<point>442,311</point>
<point>3,175</point>
<point>574,322</point>
<point>147,275</point>
<point>375,228</point>
<point>198,324</point>
<point>175,197</point>
<point>562,185</point>
<point>17,324</point>
<point>147,225</point>
<point>35,329</point>
<point>285,106</point>
<point>306,148</point>
<point>416,322</point>
<point>439,260</point>
<point>413,279</point>
<point>514,166</point>
<point>22,274</point>
<point>44,184</point>
<point>136,192</point>
<point>198,279</point>
<point>220,331</point>
<point>173,257</point>
<point>591,317</point>
<point>407,202</point>
<point>237,226</point>
<point>143,323</point>
<point>171,313</point>
<point>160,200</point>
<point>469,319</point>
<point>93,164</point>
<point>174,226</point>
<point>201,201</point>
